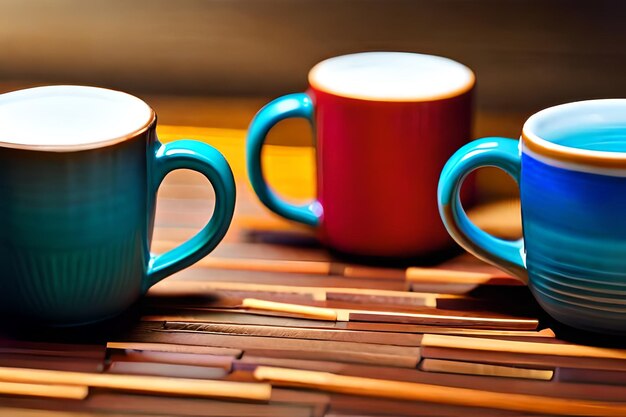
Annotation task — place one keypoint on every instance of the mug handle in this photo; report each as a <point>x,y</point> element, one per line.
<point>200,157</point>
<point>498,152</point>
<point>291,105</point>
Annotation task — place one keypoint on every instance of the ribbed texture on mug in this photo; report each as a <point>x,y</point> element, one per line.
<point>592,290</point>
<point>576,244</point>
<point>56,286</point>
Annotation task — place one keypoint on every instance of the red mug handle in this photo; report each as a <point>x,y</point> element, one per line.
<point>292,105</point>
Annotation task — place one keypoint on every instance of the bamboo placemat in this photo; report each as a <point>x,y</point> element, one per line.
<point>272,324</point>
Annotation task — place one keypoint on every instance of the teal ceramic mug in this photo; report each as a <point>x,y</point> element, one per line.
<point>79,172</point>
<point>570,165</point>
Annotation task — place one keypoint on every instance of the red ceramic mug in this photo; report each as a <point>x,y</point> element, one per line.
<point>385,124</point>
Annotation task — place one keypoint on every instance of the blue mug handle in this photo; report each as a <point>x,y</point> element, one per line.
<point>200,157</point>
<point>497,152</point>
<point>292,105</point>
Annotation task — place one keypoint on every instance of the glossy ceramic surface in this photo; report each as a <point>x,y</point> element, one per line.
<point>76,226</point>
<point>378,161</point>
<point>572,180</point>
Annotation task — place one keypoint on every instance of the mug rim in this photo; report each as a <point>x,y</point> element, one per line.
<point>316,84</point>
<point>84,145</point>
<point>533,142</point>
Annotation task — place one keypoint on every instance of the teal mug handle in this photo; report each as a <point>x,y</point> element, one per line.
<point>292,105</point>
<point>497,152</point>
<point>200,157</point>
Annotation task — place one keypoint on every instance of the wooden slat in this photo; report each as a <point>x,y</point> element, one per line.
<point>359,358</point>
<point>283,304</point>
<point>103,402</point>
<point>227,301</point>
<point>194,315</point>
<point>470,368</point>
<point>396,339</point>
<point>170,287</point>
<point>318,402</point>
<point>176,358</point>
<point>473,332</point>
<point>115,402</point>
<point>162,385</point>
<point>12,346</point>
<point>447,276</point>
<point>342,314</point>
<point>252,250</point>
<point>29,412</point>
<point>268,265</point>
<point>527,348</point>
<point>243,317</point>
<point>300,280</point>
<point>399,356</point>
<point>166,370</point>
<point>345,405</point>
<point>436,394</point>
<point>317,313</point>
<point>175,348</point>
<point>396,298</point>
<point>59,363</point>
<point>34,389</point>
<point>252,359</point>
<point>518,359</point>
<point>528,354</point>
<point>591,376</point>
<point>440,320</point>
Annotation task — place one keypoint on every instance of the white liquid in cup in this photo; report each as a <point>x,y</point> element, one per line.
<point>62,118</point>
<point>392,76</point>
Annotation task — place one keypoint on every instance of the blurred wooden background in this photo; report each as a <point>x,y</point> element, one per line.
<point>215,62</point>
<point>527,53</point>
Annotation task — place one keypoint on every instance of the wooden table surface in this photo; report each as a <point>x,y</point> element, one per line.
<point>272,324</point>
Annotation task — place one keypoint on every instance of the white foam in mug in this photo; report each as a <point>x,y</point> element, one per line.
<point>69,117</point>
<point>391,76</point>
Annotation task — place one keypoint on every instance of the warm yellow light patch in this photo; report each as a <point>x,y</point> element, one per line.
<point>289,170</point>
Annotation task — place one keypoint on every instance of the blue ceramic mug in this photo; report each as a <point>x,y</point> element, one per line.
<point>570,165</point>
<point>79,172</point>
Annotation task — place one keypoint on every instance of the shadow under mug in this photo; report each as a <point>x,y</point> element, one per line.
<point>79,172</point>
<point>384,124</point>
<point>570,165</point>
